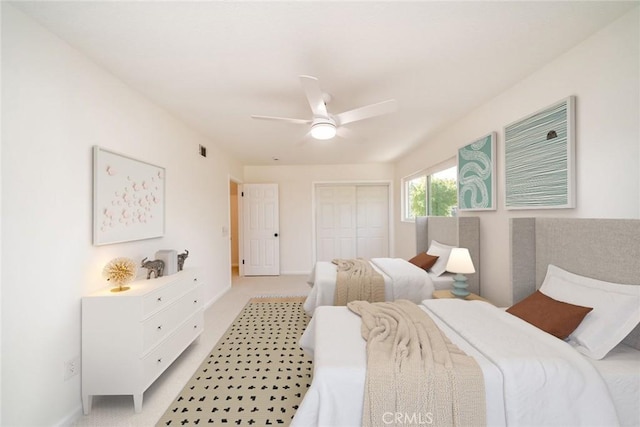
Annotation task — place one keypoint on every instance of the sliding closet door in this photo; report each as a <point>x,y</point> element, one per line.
<point>352,221</point>
<point>335,222</point>
<point>372,221</point>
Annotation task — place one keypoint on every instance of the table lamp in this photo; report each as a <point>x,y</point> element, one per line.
<point>460,263</point>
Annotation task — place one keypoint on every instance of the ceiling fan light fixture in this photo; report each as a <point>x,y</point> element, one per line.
<point>324,126</point>
<point>323,130</point>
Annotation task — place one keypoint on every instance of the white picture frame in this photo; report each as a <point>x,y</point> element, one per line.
<point>128,198</point>
<point>540,159</point>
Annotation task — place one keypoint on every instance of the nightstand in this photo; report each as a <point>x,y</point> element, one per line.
<point>446,293</point>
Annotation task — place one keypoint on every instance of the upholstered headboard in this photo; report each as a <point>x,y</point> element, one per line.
<point>463,232</point>
<point>604,249</point>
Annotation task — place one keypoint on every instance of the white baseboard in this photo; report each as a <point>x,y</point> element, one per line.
<point>71,418</point>
<point>295,273</point>
<point>217,297</point>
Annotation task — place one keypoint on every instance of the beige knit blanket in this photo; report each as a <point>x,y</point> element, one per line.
<point>357,281</point>
<point>415,375</point>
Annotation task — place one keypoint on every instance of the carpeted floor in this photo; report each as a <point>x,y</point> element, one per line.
<point>255,375</point>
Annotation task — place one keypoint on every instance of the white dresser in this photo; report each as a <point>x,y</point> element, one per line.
<point>129,338</point>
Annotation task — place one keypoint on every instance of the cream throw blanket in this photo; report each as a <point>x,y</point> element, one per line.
<point>357,281</point>
<point>415,375</point>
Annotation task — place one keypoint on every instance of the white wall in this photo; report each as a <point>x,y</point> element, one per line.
<point>0,232</point>
<point>56,105</point>
<point>296,215</point>
<point>603,73</point>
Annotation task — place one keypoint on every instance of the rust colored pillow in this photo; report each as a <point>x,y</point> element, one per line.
<point>424,260</point>
<point>554,317</point>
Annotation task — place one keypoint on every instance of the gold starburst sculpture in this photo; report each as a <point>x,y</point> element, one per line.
<point>120,271</point>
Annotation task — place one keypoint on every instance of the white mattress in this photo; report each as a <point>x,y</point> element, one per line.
<point>402,280</point>
<point>620,370</point>
<point>336,395</point>
<point>517,390</point>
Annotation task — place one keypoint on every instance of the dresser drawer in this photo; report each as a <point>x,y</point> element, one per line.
<point>166,295</point>
<point>161,324</point>
<point>162,356</point>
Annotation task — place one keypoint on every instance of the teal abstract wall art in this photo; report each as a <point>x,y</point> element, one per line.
<point>477,175</point>
<point>539,159</point>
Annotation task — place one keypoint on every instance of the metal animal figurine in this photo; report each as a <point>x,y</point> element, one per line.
<point>155,266</point>
<point>181,258</point>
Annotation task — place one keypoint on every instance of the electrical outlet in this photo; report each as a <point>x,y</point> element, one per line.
<point>71,368</point>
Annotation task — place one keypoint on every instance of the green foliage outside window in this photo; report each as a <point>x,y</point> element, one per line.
<point>417,197</point>
<point>443,197</point>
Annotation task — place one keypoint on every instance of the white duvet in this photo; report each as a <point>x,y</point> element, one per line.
<point>402,280</point>
<point>531,378</point>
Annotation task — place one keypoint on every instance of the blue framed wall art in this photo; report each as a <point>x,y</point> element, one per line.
<point>540,159</point>
<point>477,175</point>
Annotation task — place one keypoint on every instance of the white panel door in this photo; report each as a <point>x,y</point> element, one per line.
<point>372,221</point>
<point>261,230</point>
<point>335,222</point>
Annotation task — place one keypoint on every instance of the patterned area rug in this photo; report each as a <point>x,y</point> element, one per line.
<point>256,375</point>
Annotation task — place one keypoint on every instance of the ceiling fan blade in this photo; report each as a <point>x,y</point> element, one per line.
<point>384,107</point>
<point>346,133</point>
<point>314,96</point>
<point>284,119</point>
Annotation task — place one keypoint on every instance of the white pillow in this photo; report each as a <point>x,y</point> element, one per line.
<point>616,309</point>
<point>442,251</point>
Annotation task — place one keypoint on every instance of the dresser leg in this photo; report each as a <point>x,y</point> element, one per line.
<point>137,403</point>
<point>86,403</point>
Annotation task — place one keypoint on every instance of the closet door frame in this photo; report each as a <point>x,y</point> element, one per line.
<point>391,218</point>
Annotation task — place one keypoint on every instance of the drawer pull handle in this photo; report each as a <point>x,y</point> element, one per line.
<point>159,359</point>
<point>195,326</point>
<point>159,299</point>
<point>195,280</point>
<point>159,327</point>
<point>195,301</point>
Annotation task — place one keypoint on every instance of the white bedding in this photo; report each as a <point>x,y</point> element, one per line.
<point>531,378</point>
<point>620,370</point>
<point>402,280</point>
<point>444,281</point>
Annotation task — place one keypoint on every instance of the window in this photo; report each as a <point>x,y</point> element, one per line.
<point>443,192</point>
<point>431,192</point>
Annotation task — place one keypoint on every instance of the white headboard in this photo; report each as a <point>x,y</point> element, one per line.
<point>604,249</point>
<point>463,232</point>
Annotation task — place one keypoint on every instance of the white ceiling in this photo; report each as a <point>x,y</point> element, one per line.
<point>215,63</point>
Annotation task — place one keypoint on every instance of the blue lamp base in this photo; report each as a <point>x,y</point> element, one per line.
<point>460,286</point>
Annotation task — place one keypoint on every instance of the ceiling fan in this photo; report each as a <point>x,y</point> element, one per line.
<point>325,125</point>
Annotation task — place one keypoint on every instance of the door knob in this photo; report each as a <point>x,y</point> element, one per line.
<point>275,235</point>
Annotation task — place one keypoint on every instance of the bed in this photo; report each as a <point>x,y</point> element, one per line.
<point>539,381</point>
<point>402,279</point>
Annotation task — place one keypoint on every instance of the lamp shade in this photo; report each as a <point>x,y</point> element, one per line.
<point>323,130</point>
<point>460,261</point>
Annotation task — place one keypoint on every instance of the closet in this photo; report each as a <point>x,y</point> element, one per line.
<point>352,221</point>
